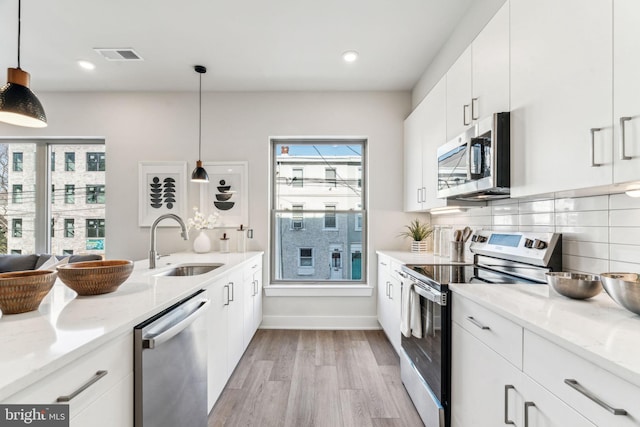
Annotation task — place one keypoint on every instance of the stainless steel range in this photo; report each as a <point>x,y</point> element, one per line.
<point>509,257</point>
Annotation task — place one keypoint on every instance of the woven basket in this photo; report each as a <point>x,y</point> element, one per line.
<point>95,277</point>
<point>22,291</point>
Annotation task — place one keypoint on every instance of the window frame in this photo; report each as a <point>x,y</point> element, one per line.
<point>69,232</point>
<point>330,212</point>
<point>312,287</point>
<point>97,193</point>
<point>70,196</point>
<point>100,162</point>
<point>100,228</point>
<point>17,165</point>
<point>69,161</point>
<point>16,228</point>
<point>17,192</point>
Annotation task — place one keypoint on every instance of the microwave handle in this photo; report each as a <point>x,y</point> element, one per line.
<point>469,159</point>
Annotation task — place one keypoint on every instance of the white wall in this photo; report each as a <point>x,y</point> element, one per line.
<point>236,126</point>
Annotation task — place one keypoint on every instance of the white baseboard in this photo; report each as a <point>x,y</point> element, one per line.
<point>320,322</point>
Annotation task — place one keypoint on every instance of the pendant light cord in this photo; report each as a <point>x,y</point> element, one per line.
<point>200,122</point>
<point>19,16</point>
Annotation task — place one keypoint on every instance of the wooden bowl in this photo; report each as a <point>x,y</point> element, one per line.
<point>22,291</point>
<point>95,277</point>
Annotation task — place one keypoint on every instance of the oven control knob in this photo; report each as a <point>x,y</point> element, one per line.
<point>539,244</point>
<point>481,239</point>
<point>528,243</point>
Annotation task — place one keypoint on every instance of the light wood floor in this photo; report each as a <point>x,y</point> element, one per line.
<point>316,378</point>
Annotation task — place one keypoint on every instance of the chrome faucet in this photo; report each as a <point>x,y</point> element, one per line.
<point>152,252</point>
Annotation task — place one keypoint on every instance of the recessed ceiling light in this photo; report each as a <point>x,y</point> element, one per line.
<point>350,56</point>
<point>86,65</point>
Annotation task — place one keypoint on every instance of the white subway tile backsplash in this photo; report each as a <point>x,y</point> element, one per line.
<point>622,201</point>
<point>599,233</point>
<point>625,253</point>
<point>625,235</point>
<point>584,219</point>
<point>536,206</point>
<point>584,264</point>
<point>625,218</point>
<point>584,234</point>
<point>596,203</point>
<point>585,249</point>
<point>537,219</point>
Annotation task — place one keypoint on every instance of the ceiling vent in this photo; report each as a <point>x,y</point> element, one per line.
<point>124,54</point>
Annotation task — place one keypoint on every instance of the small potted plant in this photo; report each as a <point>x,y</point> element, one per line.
<point>418,232</point>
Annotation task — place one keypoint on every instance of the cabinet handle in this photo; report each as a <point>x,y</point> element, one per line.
<point>593,148</point>
<point>227,288</point>
<point>390,290</point>
<point>256,287</point>
<point>383,263</point>
<point>478,324</point>
<point>527,405</point>
<point>465,107</point>
<point>474,110</point>
<point>418,196</point>
<point>580,389</point>
<point>424,194</point>
<point>387,288</point>
<point>82,388</point>
<point>506,404</point>
<point>232,292</point>
<point>623,156</point>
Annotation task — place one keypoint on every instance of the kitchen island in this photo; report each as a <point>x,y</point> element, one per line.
<point>66,327</point>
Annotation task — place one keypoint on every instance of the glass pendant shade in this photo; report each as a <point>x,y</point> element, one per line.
<point>18,105</point>
<point>199,174</point>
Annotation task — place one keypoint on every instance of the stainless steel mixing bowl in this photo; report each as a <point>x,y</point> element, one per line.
<point>623,288</point>
<point>575,285</point>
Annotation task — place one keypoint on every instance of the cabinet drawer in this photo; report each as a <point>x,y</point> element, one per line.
<point>252,266</point>
<point>550,365</point>
<point>498,333</point>
<point>115,357</point>
<point>384,263</point>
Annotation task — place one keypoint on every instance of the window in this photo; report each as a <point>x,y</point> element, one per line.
<point>313,229</point>
<point>297,218</point>
<point>67,252</point>
<point>43,208</point>
<point>95,228</point>
<point>95,194</point>
<point>69,227</point>
<point>306,257</point>
<point>297,178</point>
<point>16,251</point>
<point>16,227</point>
<point>330,177</point>
<point>70,194</point>
<point>70,162</point>
<point>330,216</point>
<point>95,162</point>
<point>16,193</point>
<point>17,162</point>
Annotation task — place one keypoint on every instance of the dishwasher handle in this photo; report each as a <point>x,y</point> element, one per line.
<point>173,330</point>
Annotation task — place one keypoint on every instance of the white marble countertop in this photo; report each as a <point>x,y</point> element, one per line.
<point>66,326</point>
<point>406,257</point>
<point>596,329</point>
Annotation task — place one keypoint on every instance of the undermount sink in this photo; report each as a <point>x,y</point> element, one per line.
<point>190,269</point>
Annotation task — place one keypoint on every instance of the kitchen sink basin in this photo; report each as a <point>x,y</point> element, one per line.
<point>190,269</point>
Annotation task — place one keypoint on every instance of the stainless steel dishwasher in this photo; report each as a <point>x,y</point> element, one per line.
<point>170,351</point>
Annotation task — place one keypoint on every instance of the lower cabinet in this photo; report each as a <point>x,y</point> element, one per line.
<point>389,293</point>
<point>107,373</point>
<point>252,280</point>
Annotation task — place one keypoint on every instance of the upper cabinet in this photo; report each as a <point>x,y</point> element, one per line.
<point>478,82</point>
<point>425,131</point>
<point>626,88</point>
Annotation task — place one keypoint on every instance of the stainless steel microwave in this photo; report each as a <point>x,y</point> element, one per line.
<point>476,164</point>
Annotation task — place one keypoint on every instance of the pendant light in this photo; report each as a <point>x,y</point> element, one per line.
<point>18,105</point>
<point>199,174</point>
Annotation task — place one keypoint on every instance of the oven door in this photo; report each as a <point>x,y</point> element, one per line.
<point>425,364</point>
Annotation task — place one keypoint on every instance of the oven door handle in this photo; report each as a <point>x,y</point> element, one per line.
<point>432,295</point>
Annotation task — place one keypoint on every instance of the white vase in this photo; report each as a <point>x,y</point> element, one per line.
<point>202,243</point>
<point>419,246</point>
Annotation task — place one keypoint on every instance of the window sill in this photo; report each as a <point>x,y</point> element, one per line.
<point>318,291</point>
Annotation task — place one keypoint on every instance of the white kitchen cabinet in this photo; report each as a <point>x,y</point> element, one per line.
<point>490,67</point>
<point>459,82</point>
<point>561,103</point>
<point>235,313</point>
<point>218,336</point>
<point>107,401</point>
<point>626,87</point>
<point>425,131</point>
<point>252,275</point>
<point>389,291</point>
<point>485,387</point>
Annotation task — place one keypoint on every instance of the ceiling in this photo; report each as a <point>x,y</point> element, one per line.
<point>247,45</point>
